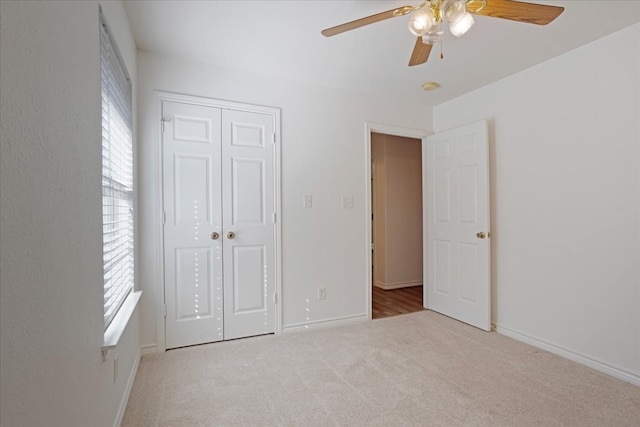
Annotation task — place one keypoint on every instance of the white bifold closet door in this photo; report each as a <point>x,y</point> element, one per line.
<point>218,191</point>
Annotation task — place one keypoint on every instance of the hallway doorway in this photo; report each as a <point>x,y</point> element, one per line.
<point>396,225</point>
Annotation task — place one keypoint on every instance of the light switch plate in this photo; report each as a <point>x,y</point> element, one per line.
<point>307,202</point>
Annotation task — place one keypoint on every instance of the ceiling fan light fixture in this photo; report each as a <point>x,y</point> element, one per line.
<point>461,25</point>
<point>432,39</point>
<point>452,10</point>
<point>429,16</point>
<point>421,22</point>
<point>434,36</point>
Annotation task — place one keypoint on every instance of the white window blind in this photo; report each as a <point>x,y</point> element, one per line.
<point>117,177</point>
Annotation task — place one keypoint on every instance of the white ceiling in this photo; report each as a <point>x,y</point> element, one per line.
<point>282,38</point>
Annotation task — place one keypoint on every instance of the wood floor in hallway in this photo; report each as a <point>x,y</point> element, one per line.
<point>396,301</point>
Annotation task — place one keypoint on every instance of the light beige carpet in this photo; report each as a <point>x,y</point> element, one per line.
<point>420,369</point>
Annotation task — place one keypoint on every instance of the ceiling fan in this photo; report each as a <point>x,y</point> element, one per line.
<point>427,19</point>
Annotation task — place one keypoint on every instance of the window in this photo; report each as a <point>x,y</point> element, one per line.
<point>117,177</point>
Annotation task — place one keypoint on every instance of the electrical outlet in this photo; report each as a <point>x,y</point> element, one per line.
<point>347,202</point>
<point>322,293</point>
<point>307,202</point>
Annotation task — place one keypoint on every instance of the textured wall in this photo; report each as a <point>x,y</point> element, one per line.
<point>51,247</point>
<point>566,199</point>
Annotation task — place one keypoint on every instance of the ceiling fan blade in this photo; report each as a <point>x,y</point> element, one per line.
<point>420,53</point>
<point>399,11</point>
<point>531,13</point>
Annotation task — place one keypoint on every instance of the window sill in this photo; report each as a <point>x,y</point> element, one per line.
<point>119,323</point>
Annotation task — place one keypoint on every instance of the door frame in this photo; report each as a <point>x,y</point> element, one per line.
<point>160,97</point>
<point>420,134</point>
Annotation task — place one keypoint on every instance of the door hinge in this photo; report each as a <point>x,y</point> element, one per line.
<point>273,138</point>
<point>164,217</point>
<point>163,121</point>
<point>275,298</point>
<point>164,310</point>
<point>275,218</point>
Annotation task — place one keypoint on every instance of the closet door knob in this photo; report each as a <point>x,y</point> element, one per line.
<point>231,235</point>
<point>215,235</point>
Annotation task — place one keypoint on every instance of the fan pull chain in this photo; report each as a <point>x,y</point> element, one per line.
<point>441,43</point>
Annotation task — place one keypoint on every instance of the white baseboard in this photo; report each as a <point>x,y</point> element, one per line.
<point>128,388</point>
<point>398,285</point>
<point>325,323</point>
<point>568,354</point>
<point>148,349</point>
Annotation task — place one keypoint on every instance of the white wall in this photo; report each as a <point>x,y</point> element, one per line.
<point>566,200</point>
<point>397,211</point>
<point>323,154</point>
<point>52,373</point>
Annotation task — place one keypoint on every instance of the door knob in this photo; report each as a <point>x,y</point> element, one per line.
<point>214,235</point>
<point>231,235</point>
<point>481,235</point>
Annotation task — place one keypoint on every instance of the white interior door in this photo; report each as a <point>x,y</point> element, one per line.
<point>193,210</point>
<point>249,206</point>
<point>219,233</point>
<point>457,224</point>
